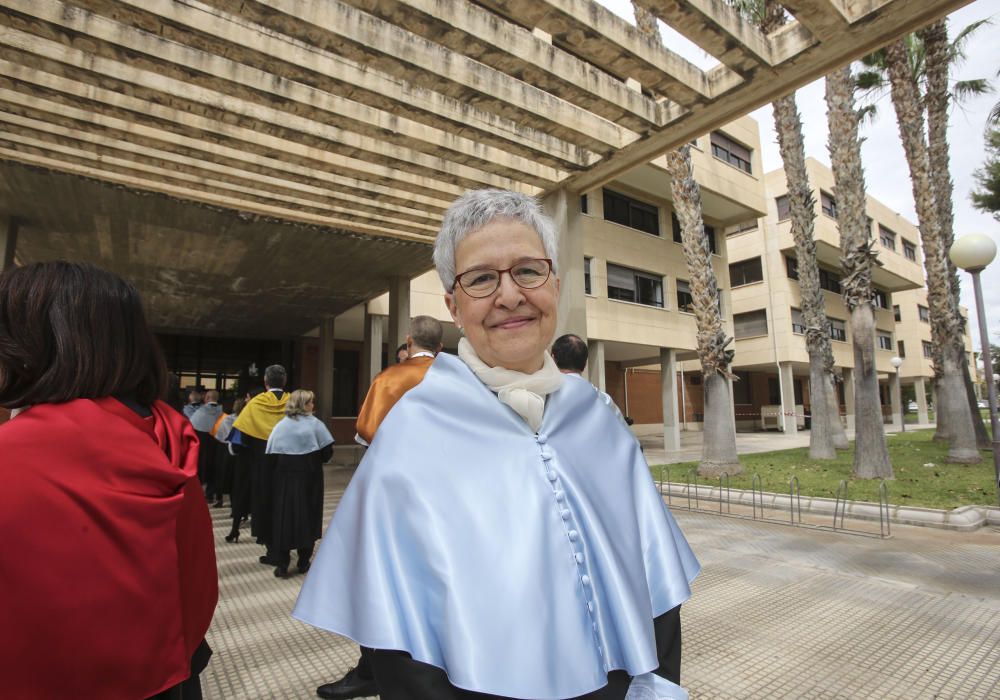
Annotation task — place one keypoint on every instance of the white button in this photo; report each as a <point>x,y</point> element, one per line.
<point>542,438</point>
<point>564,515</point>
<point>552,476</point>
<point>586,580</point>
<point>579,558</point>
<point>546,455</point>
<point>573,535</point>
<point>560,496</point>
<point>590,607</point>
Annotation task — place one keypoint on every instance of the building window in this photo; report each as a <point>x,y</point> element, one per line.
<point>880,298</point>
<point>736,229</point>
<point>909,250</point>
<point>886,237</point>
<point>675,226</point>
<point>784,208</point>
<point>685,302</point>
<point>630,212</point>
<point>792,266</point>
<point>923,313</point>
<point>626,284</point>
<point>830,281</point>
<point>928,349</point>
<point>586,275</point>
<point>745,272</point>
<point>750,324</point>
<point>884,340</point>
<point>900,348</point>
<point>838,329</point>
<point>798,322</point>
<point>895,313</point>
<point>583,204</point>
<point>724,148</point>
<point>828,204</point>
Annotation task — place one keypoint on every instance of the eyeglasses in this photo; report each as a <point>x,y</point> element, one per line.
<point>482,282</point>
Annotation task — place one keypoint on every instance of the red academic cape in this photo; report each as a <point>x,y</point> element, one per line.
<point>108,580</point>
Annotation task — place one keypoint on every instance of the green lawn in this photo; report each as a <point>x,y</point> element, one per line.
<point>938,486</point>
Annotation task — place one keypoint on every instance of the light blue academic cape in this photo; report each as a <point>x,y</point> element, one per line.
<point>525,565</point>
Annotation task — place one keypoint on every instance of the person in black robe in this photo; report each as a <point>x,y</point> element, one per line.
<point>203,420</point>
<point>298,447</point>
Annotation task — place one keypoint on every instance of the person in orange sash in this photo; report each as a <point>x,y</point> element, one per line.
<point>422,344</point>
<point>112,584</point>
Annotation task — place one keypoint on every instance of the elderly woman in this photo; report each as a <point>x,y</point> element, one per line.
<point>502,536</point>
<point>109,577</point>
<point>299,445</point>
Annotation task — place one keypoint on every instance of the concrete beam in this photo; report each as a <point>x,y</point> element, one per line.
<point>399,313</point>
<point>823,18</point>
<point>718,29</point>
<point>564,209</point>
<point>371,352</point>
<point>595,364</point>
<point>788,417</point>
<point>668,396</point>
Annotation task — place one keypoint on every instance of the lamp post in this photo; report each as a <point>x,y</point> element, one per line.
<point>897,362</point>
<point>973,253</point>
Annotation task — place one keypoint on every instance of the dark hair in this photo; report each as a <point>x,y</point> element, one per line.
<point>275,377</point>
<point>425,332</point>
<point>71,331</point>
<point>570,352</point>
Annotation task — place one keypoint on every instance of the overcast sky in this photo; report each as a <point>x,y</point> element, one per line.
<point>886,172</point>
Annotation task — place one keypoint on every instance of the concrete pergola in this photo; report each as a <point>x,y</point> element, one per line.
<point>260,166</point>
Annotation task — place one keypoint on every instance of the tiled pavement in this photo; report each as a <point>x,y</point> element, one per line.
<point>777,612</point>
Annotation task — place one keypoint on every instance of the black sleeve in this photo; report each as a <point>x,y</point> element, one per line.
<point>668,644</point>
<point>325,454</point>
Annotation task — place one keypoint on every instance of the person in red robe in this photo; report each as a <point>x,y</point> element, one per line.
<point>109,576</point>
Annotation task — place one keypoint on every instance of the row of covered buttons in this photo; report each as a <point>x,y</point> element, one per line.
<point>572,533</point>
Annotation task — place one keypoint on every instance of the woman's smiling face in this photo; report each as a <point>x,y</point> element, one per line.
<point>512,327</point>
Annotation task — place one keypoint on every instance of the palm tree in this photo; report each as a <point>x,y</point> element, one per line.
<point>946,322</point>
<point>826,433</point>
<point>871,456</point>
<point>719,445</point>
<point>930,57</point>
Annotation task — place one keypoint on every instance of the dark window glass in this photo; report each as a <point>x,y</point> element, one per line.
<point>909,250</point>
<point>828,204</point>
<point>880,299</point>
<point>685,302</point>
<point>830,281</point>
<point>838,329</point>
<point>895,313</point>
<point>900,348</point>
<point>886,237</point>
<point>745,272</point>
<point>784,208</point>
<point>797,391</point>
<point>923,313</point>
<point>928,349</point>
<point>675,227</point>
<point>884,340</point>
<point>583,204</point>
<point>798,323</point>
<point>626,284</point>
<point>750,324</point>
<point>630,212</point>
<point>792,265</point>
<point>586,275</point>
<point>773,391</point>
<point>724,148</point>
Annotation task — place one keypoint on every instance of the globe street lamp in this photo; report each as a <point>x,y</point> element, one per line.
<point>973,253</point>
<point>897,363</point>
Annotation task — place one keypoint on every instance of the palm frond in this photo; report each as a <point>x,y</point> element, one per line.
<point>964,89</point>
<point>993,119</point>
<point>957,48</point>
<point>867,115</point>
<point>870,80</point>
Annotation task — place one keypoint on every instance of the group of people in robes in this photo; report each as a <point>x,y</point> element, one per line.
<point>502,536</point>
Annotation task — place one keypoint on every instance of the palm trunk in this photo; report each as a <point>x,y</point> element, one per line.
<point>871,455</point>
<point>719,450</point>
<point>945,328</point>
<point>937,59</point>
<point>802,206</point>
<point>839,434</point>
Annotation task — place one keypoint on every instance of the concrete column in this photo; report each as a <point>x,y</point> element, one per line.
<point>564,208</point>
<point>920,389</point>
<point>399,312</point>
<point>324,392</point>
<point>8,240</point>
<point>896,399</point>
<point>849,397</point>
<point>788,419</point>
<point>595,363</point>
<point>371,351</point>
<point>671,411</point>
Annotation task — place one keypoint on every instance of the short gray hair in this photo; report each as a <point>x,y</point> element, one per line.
<point>477,208</point>
<point>275,377</point>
